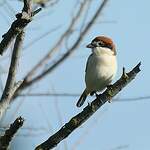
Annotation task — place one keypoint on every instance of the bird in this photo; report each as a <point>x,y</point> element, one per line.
<point>101,67</point>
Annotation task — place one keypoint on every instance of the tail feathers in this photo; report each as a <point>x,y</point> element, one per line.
<point>82,99</point>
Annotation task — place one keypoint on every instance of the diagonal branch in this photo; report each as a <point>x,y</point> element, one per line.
<point>9,133</point>
<point>17,26</point>
<point>89,110</point>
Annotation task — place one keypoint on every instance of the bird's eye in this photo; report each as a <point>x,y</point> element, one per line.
<point>100,43</point>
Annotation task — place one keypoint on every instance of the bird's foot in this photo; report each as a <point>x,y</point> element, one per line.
<point>92,93</point>
<point>99,97</point>
<point>109,87</point>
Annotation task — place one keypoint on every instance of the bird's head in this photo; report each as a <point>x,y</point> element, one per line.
<point>102,44</point>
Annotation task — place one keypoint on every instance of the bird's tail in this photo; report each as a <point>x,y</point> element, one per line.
<point>82,99</point>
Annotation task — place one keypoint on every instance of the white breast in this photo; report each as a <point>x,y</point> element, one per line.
<point>100,70</point>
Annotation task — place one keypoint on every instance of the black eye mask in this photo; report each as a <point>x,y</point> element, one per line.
<point>101,44</point>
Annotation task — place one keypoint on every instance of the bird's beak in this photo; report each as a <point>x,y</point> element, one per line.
<point>90,46</point>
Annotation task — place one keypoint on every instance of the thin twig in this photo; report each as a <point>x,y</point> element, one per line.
<point>89,110</point>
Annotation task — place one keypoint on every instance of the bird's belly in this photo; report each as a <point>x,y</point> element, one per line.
<point>98,81</point>
<point>99,76</point>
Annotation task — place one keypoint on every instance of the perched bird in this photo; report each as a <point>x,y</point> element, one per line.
<point>101,67</point>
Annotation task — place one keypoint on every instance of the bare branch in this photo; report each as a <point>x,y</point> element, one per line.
<point>27,6</point>
<point>28,82</point>
<point>13,66</point>
<point>81,139</point>
<point>9,133</point>
<point>73,48</point>
<point>89,110</point>
<point>17,26</point>
<point>10,86</point>
<point>58,43</point>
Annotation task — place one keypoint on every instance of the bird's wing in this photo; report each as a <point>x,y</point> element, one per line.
<point>88,62</point>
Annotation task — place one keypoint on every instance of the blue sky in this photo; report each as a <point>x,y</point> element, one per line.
<point>121,123</point>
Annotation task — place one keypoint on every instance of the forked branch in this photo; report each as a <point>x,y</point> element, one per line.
<point>18,25</point>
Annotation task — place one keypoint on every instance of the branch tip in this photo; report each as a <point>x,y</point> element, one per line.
<point>20,120</point>
<point>10,133</point>
<point>138,67</point>
<point>36,12</point>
